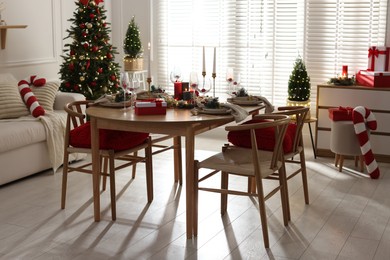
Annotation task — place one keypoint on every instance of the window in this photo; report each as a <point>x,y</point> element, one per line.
<point>261,39</point>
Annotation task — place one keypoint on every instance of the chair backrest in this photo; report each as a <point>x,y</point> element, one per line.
<point>298,115</point>
<point>278,122</point>
<point>75,110</point>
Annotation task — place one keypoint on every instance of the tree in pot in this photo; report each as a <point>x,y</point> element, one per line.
<point>132,47</point>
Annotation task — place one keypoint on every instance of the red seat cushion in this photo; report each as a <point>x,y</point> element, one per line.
<point>80,137</point>
<point>265,137</point>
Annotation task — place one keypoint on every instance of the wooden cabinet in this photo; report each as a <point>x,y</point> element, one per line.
<point>376,99</point>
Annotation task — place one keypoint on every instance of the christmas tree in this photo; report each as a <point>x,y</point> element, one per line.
<point>89,66</point>
<point>299,82</point>
<point>132,44</point>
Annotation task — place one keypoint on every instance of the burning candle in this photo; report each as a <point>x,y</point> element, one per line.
<point>204,60</point>
<point>178,90</point>
<point>345,71</point>
<point>214,62</point>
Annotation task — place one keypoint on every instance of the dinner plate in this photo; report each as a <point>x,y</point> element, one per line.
<point>215,111</point>
<point>115,104</point>
<point>245,102</point>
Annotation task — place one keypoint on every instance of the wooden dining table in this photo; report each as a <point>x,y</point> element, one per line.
<point>176,122</point>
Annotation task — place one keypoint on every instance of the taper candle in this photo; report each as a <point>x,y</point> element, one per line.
<point>204,60</point>
<point>214,60</point>
<point>149,60</point>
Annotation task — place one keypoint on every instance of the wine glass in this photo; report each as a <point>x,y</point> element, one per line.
<point>134,86</point>
<point>230,80</point>
<point>236,83</point>
<point>125,85</point>
<point>175,75</point>
<point>194,82</point>
<point>205,86</point>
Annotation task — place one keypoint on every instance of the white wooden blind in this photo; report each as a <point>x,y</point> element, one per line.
<point>261,39</point>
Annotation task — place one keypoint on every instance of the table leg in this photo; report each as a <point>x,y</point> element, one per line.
<point>95,168</point>
<point>312,142</point>
<point>178,159</point>
<point>190,154</point>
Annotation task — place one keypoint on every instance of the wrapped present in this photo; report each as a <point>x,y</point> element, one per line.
<point>340,113</point>
<point>152,107</point>
<point>373,79</point>
<point>378,58</point>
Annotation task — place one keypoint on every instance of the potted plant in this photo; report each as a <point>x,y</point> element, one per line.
<point>132,47</point>
<point>299,85</point>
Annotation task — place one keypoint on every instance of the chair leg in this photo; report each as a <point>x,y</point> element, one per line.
<point>263,214</point>
<point>341,162</point>
<point>304,176</point>
<point>104,161</point>
<point>112,186</point>
<point>336,159</point>
<point>284,195</point>
<point>196,199</point>
<point>134,166</point>
<point>149,172</point>
<point>64,179</point>
<point>224,186</point>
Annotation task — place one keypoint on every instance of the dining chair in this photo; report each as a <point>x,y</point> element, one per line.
<point>114,145</point>
<point>292,146</point>
<point>247,162</point>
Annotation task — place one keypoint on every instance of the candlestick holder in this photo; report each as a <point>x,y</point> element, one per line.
<point>213,75</point>
<point>149,80</point>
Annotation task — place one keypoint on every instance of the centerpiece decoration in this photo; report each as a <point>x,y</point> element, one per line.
<point>89,65</point>
<point>133,61</point>
<point>299,85</point>
<point>343,79</point>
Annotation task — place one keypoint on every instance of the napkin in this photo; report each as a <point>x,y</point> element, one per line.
<point>269,108</point>
<point>104,99</point>
<point>238,112</point>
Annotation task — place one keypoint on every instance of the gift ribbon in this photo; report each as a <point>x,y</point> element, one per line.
<point>374,52</point>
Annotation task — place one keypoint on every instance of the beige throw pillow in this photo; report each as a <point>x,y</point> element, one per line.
<point>11,103</point>
<point>46,94</point>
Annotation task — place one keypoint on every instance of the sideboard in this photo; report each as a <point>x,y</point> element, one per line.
<point>376,99</point>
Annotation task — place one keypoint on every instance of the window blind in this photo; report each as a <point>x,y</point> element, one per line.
<point>261,39</point>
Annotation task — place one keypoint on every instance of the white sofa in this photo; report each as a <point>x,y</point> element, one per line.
<point>24,148</point>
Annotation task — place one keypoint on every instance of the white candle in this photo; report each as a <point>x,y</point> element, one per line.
<point>204,60</point>
<point>149,60</point>
<point>214,63</point>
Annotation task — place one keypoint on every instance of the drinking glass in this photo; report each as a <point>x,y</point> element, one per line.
<point>205,86</point>
<point>175,75</point>
<point>230,80</point>
<point>194,82</point>
<point>125,85</point>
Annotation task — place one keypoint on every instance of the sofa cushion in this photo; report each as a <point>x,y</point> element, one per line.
<point>46,94</point>
<point>17,133</point>
<point>11,103</point>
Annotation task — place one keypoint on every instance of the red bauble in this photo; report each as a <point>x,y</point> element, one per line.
<point>72,52</point>
<point>100,70</point>
<point>84,2</point>
<point>91,16</point>
<point>98,1</point>
<point>109,55</point>
<point>88,64</point>
<point>67,84</point>
<point>86,45</point>
<point>82,26</point>
<point>93,84</point>
<point>71,66</point>
<point>113,77</point>
<point>95,48</point>
<point>76,88</point>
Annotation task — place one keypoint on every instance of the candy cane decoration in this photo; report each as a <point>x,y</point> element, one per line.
<point>29,98</point>
<point>361,117</point>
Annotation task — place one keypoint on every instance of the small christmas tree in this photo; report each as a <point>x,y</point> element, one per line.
<point>132,44</point>
<point>299,82</point>
<point>89,66</point>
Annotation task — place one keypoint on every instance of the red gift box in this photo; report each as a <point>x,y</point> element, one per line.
<point>378,58</point>
<point>155,107</point>
<point>374,79</point>
<point>340,113</point>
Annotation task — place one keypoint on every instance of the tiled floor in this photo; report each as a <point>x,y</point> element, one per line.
<point>348,218</point>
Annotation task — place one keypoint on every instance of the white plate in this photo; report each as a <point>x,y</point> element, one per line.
<point>115,104</point>
<point>245,102</point>
<point>215,111</point>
